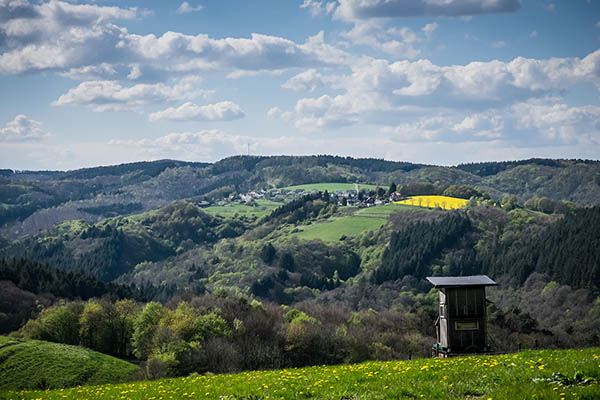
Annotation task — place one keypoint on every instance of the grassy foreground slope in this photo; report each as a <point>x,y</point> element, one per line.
<point>540,374</point>
<point>37,364</point>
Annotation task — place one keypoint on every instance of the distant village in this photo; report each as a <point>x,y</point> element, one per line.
<point>352,197</point>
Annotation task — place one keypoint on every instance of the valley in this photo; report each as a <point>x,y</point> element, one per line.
<point>242,265</point>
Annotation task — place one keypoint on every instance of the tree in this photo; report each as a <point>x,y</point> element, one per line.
<point>124,320</point>
<point>462,192</point>
<point>509,202</point>
<point>59,324</point>
<point>92,326</point>
<point>392,188</point>
<point>287,262</point>
<point>267,253</point>
<point>144,329</point>
<point>184,321</point>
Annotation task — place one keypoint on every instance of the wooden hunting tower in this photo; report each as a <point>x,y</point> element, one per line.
<point>461,325</point>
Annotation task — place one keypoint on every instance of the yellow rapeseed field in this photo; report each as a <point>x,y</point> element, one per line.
<point>445,202</point>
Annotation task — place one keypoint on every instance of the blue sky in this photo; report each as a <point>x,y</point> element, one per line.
<point>87,83</point>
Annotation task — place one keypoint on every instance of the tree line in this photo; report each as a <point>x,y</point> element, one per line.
<point>499,243</point>
<point>229,333</point>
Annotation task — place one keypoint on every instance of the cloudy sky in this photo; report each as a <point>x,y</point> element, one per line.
<point>99,82</point>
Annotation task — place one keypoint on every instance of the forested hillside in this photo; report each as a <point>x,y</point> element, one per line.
<point>237,243</point>
<point>31,200</point>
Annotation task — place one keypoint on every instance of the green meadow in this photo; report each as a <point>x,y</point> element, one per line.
<point>39,364</point>
<point>361,221</point>
<point>263,207</point>
<point>536,374</point>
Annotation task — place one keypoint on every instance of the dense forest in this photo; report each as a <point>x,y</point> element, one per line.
<point>177,265</point>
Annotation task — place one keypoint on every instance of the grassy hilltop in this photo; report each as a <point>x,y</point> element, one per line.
<point>39,364</point>
<point>539,374</point>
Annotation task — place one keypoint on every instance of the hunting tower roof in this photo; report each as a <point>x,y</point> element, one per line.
<point>457,281</point>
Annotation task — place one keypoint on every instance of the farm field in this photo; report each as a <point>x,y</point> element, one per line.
<point>445,202</point>
<point>538,374</point>
<point>363,220</point>
<point>34,363</point>
<point>331,187</point>
<point>381,211</point>
<point>264,207</point>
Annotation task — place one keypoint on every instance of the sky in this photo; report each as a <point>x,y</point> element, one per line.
<point>100,82</point>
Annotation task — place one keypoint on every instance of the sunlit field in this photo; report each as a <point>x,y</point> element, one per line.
<point>445,202</point>
<point>362,220</point>
<point>262,208</point>
<point>541,374</point>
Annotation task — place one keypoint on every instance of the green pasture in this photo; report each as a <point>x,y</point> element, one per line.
<point>334,228</point>
<point>37,364</point>
<point>381,211</point>
<point>539,374</point>
<point>263,207</point>
<point>361,221</point>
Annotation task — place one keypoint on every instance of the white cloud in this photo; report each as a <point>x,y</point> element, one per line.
<point>309,80</point>
<point>208,145</point>
<point>396,42</point>
<point>430,28</point>
<point>528,124</point>
<point>112,96</point>
<point>275,112</point>
<point>499,44</point>
<point>533,34</point>
<point>384,93</point>
<point>22,129</point>
<point>318,7</point>
<point>91,72</point>
<point>13,9</point>
<point>487,124</point>
<point>135,73</point>
<point>240,73</point>
<point>222,111</point>
<point>58,35</point>
<point>258,53</point>
<point>76,39</point>
<point>559,121</point>
<point>185,8</point>
<point>352,10</point>
<point>442,139</point>
<point>420,129</point>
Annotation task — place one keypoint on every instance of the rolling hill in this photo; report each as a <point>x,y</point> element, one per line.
<point>35,364</point>
<point>34,200</point>
<point>231,230</point>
